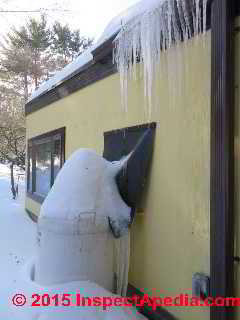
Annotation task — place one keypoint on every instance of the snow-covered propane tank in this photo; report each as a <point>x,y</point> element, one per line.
<point>83,227</point>
<point>75,241</point>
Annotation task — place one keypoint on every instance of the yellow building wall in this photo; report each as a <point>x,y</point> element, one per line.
<point>170,238</point>
<point>32,205</point>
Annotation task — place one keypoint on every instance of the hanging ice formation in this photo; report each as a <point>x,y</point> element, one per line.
<point>163,24</point>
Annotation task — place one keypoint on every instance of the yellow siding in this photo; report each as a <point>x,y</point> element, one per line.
<point>32,206</point>
<point>170,239</point>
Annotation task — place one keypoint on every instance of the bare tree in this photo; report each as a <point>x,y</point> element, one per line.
<point>12,136</point>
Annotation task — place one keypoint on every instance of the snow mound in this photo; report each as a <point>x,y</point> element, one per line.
<point>86,184</point>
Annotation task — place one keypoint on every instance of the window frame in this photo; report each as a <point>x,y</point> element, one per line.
<point>51,136</point>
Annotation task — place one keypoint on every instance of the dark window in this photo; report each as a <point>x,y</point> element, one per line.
<point>120,142</point>
<point>45,158</point>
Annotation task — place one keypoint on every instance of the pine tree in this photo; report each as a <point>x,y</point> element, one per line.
<point>78,44</point>
<point>61,38</point>
<point>68,44</point>
<point>38,39</point>
<point>24,52</point>
<point>16,64</point>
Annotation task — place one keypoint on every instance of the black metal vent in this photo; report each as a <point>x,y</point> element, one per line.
<point>139,140</point>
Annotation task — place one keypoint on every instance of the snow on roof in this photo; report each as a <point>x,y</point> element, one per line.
<point>112,28</point>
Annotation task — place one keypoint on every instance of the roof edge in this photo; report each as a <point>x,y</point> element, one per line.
<point>99,68</point>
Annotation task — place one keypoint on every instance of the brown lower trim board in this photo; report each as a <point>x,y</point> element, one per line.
<point>31,215</point>
<point>159,314</point>
<point>35,197</point>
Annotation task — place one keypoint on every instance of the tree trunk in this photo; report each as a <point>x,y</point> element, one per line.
<point>35,73</point>
<point>12,182</point>
<point>25,87</point>
<point>36,80</point>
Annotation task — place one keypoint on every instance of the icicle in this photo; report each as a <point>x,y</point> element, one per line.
<point>164,24</point>
<point>198,17</point>
<point>122,256</point>
<point>204,15</point>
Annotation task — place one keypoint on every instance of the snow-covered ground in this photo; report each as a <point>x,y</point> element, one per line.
<point>17,241</point>
<point>17,250</point>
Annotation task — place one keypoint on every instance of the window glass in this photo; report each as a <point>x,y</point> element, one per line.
<point>29,185</point>
<point>56,157</point>
<point>45,159</point>
<point>43,168</point>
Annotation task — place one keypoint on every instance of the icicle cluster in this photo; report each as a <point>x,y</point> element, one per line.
<point>164,24</point>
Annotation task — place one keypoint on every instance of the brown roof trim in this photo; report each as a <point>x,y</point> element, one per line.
<point>96,71</point>
<point>104,50</point>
